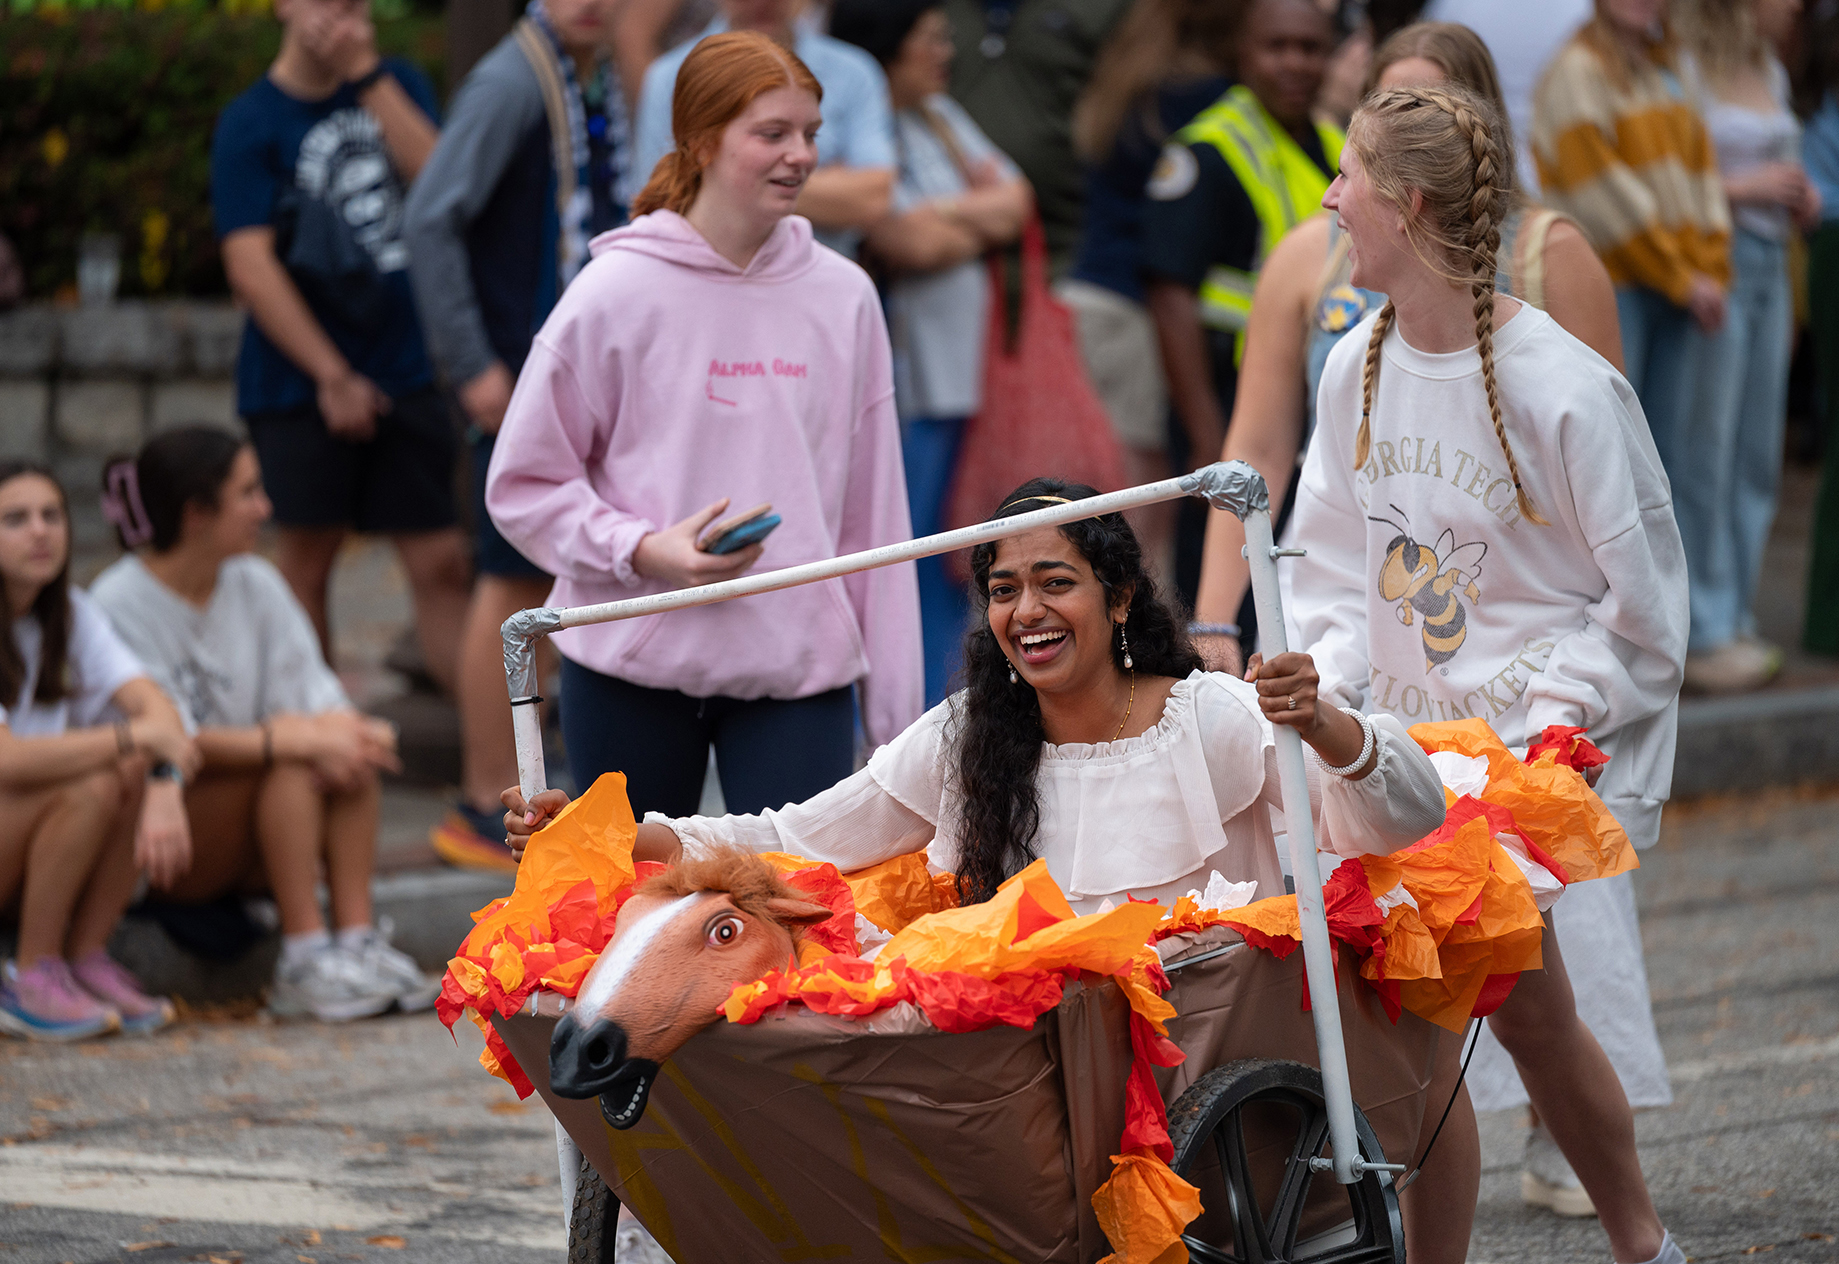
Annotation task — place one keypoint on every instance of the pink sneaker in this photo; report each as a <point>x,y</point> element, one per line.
<point>44,1002</point>
<point>109,982</point>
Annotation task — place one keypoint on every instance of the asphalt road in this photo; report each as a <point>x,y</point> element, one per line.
<point>233,1139</point>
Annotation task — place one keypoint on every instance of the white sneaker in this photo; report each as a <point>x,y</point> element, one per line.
<point>1547,1180</point>
<point>394,971</point>
<point>1734,667</point>
<point>331,985</point>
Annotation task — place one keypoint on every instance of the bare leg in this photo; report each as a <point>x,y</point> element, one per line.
<point>1439,1206</point>
<point>67,836</point>
<point>111,886</point>
<point>290,829</point>
<point>490,756</point>
<point>305,559</point>
<point>439,578</point>
<point>1574,1088</point>
<point>351,850</point>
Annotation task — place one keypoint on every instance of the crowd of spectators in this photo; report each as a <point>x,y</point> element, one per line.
<point>601,293</point>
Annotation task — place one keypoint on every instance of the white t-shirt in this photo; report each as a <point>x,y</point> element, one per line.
<point>1153,815</point>
<point>1424,594</point>
<point>249,654</point>
<point>939,321</point>
<point>99,664</point>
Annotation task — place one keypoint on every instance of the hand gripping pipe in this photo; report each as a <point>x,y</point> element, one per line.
<point>1232,486</point>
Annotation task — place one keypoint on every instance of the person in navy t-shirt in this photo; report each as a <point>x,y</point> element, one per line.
<point>339,396</point>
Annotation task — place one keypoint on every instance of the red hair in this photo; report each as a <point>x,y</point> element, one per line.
<point>721,77</point>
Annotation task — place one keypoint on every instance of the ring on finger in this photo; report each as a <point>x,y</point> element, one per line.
<point>1292,705</point>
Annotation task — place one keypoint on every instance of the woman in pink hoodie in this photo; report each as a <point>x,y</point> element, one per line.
<point>713,354</point>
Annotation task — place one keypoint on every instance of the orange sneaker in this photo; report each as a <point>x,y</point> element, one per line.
<point>460,840</point>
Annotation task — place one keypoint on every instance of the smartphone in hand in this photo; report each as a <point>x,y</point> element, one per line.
<point>739,531</point>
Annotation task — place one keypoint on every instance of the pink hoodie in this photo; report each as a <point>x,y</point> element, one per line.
<point>666,378</point>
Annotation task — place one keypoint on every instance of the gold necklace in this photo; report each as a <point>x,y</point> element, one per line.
<point>1127,708</point>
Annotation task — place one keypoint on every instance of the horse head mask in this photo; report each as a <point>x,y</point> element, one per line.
<point>684,939</point>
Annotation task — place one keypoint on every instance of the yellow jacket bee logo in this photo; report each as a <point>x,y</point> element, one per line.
<point>1428,585</point>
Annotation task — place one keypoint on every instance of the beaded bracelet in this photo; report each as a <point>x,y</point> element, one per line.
<point>1213,629</point>
<point>1366,747</point>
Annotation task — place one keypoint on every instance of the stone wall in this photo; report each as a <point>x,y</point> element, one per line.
<point>94,380</point>
<point>78,384</point>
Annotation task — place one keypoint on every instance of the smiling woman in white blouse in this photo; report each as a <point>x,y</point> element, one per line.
<point>1088,735</point>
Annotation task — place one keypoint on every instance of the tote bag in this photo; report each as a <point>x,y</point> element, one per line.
<point>1040,415</point>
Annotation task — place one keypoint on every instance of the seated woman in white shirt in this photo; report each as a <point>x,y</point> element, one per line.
<point>79,810</point>
<point>290,768</point>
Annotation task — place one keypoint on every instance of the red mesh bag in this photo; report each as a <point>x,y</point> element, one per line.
<point>1040,415</point>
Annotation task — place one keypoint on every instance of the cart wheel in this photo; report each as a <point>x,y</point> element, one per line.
<point>1244,1133</point>
<point>593,1224</point>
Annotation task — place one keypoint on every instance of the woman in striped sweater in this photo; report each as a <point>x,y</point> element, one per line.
<point>1621,150</point>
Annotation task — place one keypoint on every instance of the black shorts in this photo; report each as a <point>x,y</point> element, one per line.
<point>400,481</point>
<point>493,554</point>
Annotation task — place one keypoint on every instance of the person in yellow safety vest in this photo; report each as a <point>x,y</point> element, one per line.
<point>1227,187</point>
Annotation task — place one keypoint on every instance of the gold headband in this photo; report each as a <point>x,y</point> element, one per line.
<point>1022,500</point>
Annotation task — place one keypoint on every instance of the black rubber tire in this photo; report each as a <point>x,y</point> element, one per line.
<point>593,1223</point>
<point>1209,1118</point>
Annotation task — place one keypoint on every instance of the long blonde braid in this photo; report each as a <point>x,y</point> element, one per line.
<point>1369,383</point>
<point>1470,227</point>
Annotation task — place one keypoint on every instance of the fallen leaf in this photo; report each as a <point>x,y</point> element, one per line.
<point>389,1240</point>
<point>1758,1250</point>
<point>507,1108</point>
<point>132,1247</point>
<point>1766,1193</point>
<point>1816,1237</point>
<point>306,1259</point>
<point>50,1103</point>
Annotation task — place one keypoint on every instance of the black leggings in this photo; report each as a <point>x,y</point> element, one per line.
<point>769,752</point>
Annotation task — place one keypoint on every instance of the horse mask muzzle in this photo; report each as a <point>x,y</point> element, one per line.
<point>590,1061</point>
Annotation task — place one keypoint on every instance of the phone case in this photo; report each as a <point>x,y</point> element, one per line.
<point>729,523</point>
<point>739,537</point>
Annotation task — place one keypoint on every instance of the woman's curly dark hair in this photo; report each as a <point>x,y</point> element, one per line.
<point>996,731</point>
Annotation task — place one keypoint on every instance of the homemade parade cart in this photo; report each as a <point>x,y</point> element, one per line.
<point>808,1135</point>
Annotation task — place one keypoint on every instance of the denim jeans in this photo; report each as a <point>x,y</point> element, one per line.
<point>1659,340</point>
<point>929,448</point>
<point>1820,632</point>
<point>1727,465</point>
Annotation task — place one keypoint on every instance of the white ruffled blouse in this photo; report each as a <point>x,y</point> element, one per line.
<point>1150,816</point>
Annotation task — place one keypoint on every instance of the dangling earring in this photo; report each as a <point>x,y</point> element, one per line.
<point>1013,678</point>
<point>1124,635</point>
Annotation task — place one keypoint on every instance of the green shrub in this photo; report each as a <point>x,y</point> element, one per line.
<point>105,126</point>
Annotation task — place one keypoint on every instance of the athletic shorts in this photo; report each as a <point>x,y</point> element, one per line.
<point>493,554</point>
<point>1118,341</point>
<point>399,481</point>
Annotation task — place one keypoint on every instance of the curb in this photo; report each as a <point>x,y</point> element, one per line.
<point>1731,745</point>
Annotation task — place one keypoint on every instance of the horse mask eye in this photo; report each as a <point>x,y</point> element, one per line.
<point>725,932</point>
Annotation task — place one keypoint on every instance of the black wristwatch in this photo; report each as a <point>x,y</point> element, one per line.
<point>362,83</point>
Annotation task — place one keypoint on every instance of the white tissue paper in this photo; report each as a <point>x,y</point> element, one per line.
<point>1461,774</point>
<point>870,938</point>
<point>1222,895</point>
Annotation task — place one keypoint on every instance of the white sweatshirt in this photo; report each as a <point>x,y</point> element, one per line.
<point>1427,596</point>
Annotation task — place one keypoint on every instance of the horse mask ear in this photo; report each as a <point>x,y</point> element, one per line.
<point>797,912</point>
